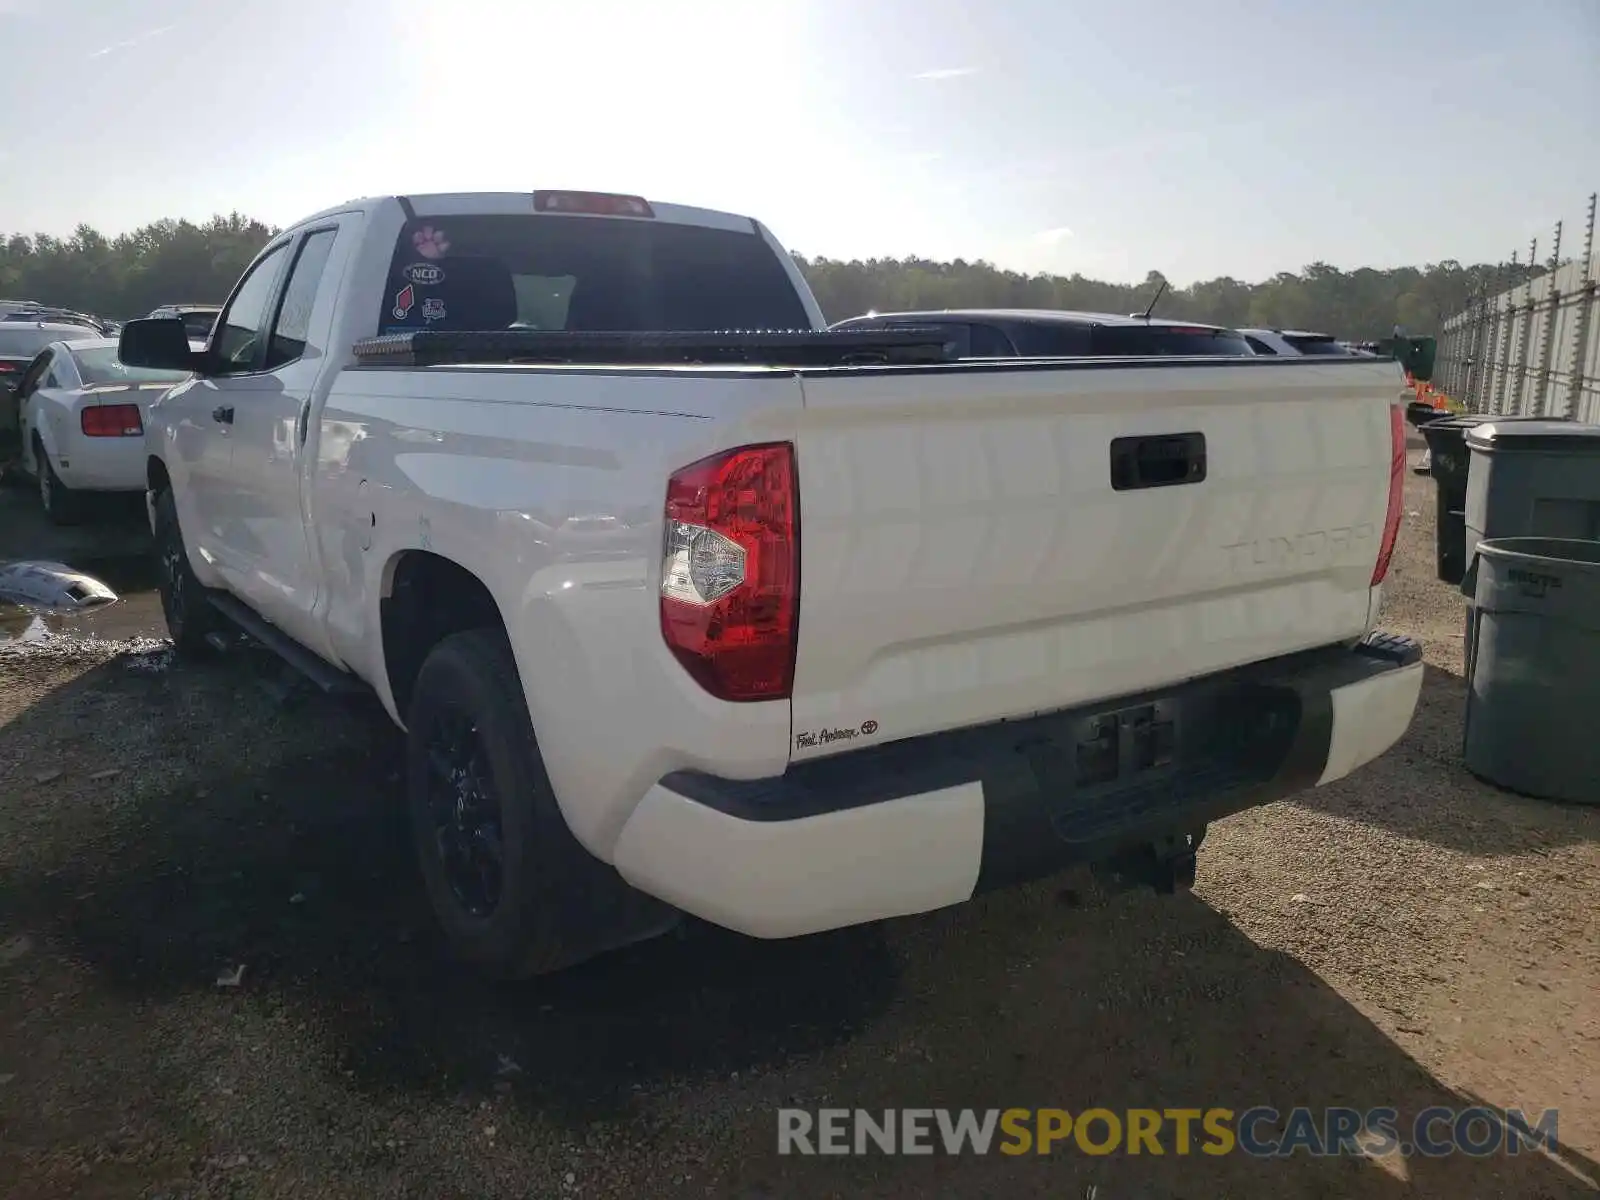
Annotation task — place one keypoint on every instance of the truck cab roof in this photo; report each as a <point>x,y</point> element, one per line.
<point>430,204</point>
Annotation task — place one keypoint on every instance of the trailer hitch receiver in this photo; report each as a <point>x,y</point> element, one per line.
<point>1167,865</point>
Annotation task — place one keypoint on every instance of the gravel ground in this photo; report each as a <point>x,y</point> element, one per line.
<point>216,978</point>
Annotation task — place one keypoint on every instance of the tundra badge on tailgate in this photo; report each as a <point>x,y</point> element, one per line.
<point>1298,547</point>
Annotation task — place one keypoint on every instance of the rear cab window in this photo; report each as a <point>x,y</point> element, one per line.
<point>540,271</point>
<point>1317,345</point>
<point>1080,340</point>
<point>1166,341</point>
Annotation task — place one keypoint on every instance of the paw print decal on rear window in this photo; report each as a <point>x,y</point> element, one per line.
<point>430,242</point>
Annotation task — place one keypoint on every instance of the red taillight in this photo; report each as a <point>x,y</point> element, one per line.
<point>112,420</point>
<point>1397,487</point>
<point>730,571</point>
<point>596,204</point>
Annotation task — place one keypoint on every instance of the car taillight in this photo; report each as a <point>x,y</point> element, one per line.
<point>1397,487</point>
<point>730,571</point>
<point>112,420</point>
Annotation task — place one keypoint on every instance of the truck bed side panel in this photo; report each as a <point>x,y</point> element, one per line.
<point>547,488</point>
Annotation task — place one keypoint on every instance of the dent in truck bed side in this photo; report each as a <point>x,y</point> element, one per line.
<point>553,499</point>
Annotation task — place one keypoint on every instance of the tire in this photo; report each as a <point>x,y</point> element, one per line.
<point>190,617</point>
<point>552,904</point>
<point>61,504</point>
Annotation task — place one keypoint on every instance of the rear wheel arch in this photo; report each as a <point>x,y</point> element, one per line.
<point>156,477</point>
<point>425,598</point>
<point>447,655</point>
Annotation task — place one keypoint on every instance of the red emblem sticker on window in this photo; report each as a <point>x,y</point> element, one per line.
<point>430,242</point>
<point>403,301</point>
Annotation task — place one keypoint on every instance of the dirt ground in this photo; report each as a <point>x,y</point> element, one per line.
<point>217,977</point>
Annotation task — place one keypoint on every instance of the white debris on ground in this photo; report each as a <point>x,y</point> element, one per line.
<point>148,656</point>
<point>54,586</point>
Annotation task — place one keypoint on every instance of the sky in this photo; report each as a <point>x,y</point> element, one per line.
<point>1235,137</point>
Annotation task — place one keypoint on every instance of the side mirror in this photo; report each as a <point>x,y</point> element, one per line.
<point>159,343</point>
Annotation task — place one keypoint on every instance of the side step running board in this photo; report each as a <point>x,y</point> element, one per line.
<point>324,675</point>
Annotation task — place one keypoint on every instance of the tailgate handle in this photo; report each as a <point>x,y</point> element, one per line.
<point>1158,460</point>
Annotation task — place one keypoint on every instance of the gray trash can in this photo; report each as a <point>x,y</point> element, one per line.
<point>1533,687</point>
<point>1528,479</point>
<point>1532,479</point>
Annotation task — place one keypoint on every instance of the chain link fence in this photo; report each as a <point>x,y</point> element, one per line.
<point>1533,350</point>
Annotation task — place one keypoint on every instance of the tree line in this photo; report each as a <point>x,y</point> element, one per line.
<point>181,262</point>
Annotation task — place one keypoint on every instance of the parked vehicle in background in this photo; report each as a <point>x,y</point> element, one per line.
<point>1052,333</point>
<point>60,316</point>
<point>198,319</point>
<point>1291,343</point>
<point>787,630</point>
<point>81,421</point>
<point>20,343</point>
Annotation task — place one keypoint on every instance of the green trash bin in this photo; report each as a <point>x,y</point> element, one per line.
<point>1533,683</point>
<point>1449,463</point>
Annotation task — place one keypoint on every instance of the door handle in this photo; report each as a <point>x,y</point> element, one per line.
<point>1163,460</point>
<point>223,414</point>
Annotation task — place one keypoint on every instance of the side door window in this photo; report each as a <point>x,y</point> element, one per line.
<point>293,323</point>
<point>1259,347</point>
<point>990,342</point>
<point>957,335</point>
<point>1052,340</point>
<point>239,343</point>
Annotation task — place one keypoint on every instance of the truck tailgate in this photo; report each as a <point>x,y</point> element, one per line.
<point>967,557</point>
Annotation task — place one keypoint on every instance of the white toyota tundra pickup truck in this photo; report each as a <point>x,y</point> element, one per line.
<point>784,628</point>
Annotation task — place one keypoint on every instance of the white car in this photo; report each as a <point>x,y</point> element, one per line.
<point>1295,343</point>
<point>82,414</point>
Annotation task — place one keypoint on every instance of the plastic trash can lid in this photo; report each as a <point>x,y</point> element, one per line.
<point>1535,437</point>
<point>1457,421</point>
<point>1472,420</point>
